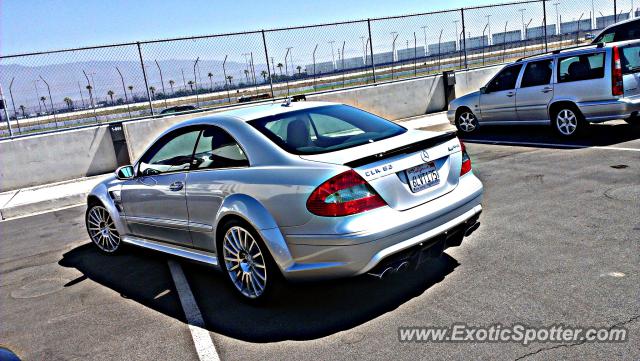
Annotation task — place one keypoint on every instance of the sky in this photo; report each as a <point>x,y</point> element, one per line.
<point>37,25</point>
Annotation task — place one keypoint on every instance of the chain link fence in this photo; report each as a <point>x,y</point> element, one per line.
<point>53,90</point>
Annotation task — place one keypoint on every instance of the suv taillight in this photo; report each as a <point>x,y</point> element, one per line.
<point>466,161</point>
<point>345,194</point>
<point>617,87</point>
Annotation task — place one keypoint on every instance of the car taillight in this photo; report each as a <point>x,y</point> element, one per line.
<point>345,194</point>
<point>466,161</point>
<point>616,73</point>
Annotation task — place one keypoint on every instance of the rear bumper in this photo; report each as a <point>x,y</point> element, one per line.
<point>389,232</point>
<point>601,111</point>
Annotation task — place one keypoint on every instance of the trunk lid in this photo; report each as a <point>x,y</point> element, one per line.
<point>391,166</point>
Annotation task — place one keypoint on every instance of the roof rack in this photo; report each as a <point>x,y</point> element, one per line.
<point>598,46</point>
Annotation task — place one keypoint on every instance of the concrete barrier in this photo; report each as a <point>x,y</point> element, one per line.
<point>55,157</point>
<point>472,80</point>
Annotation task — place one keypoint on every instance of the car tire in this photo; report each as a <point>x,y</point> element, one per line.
<point>568,122</point>
<point>246,262</point>
<point>102,230</point>
<point>633,121</point>
<point>466,121</point>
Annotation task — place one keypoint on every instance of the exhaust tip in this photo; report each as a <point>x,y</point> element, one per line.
<point>471,229</point>
<point>384,273</point>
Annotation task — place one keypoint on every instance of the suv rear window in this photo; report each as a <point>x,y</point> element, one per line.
<point>325,129</point>
<point>630,59</point>
<point>626,31</point>
<point>581,67</point>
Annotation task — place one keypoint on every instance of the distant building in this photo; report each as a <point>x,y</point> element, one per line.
<point>410,53</point>
<point>536,32</point>
<point>350,63</point>
<point>604,21</point>
<point>474,42</point>
<point>321,68</point>
<point>508,37</point>
<point>575,26</point>
<point>442,48</point>
<point>382,58</point>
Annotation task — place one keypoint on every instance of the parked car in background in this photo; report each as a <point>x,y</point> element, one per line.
<point>178,109</point>
<point>304,190</point>
<point>622,31</point>
<point>567,89</point>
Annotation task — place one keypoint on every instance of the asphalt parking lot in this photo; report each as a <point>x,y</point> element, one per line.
<point>559,243</point>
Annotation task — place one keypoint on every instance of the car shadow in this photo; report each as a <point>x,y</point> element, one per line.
<point>301,311</point>
<point>604,134</point>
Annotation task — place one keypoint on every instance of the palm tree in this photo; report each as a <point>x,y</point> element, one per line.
<point>110,93</point>
<point>210,75</point>
<point>43,99</point>
<point>280,67</point>
<point>230,79</point>
<point>130,87</point>
<point>246,74</point>
<point>153,92</point>
<point>22,109</point>
<point>264,75</point>
<point>69,102</point>
<point>299,69</point>
<point>190,82</point>
<point>171,82</point>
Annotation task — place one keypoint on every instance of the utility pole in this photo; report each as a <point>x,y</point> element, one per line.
<point>6,113</point>
<point>333,56</point>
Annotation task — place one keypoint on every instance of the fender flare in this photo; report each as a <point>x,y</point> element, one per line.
<point>101,192</point>
<point>256,214</point>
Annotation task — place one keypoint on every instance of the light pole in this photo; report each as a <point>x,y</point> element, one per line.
<point>333,56</point>
<point>489,26</point>
<point>485,29</point>
<point>164,93</point>
<point>13,104</point>
<point>526,27</point>
<point>124,89</point>
<point>343,44</point>
<point>195,79</point>
<point>578,32</point>
<point>224,71</point>
<point>314,67</point>
<point>53,110</point>
<point>557,19</point>
<point>81,96</point>
<point>393,52</point>
<point>35,85</point>
<point>522,15</point>
<point>504,40</point>
<point>424,31</point>
<point>439,54</point>
<point>6,114</point>
<point>286,69</point>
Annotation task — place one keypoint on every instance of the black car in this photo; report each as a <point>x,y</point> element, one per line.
<point>624,30</point>
<point>178,109</point>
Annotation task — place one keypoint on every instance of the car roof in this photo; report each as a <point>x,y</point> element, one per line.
<point>618,24</point>
<point>575,49</point>
<point>269,109</point>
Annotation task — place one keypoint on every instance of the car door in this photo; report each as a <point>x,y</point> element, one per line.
<point>218,169</point>
<point>535,91</point>
<point>154,201</point>
<point>497,99</point>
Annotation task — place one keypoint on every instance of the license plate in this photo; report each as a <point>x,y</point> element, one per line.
<point>422,177</point>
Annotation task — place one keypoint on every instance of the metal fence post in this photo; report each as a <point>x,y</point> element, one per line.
<point>544,24</point>
<point>615,11</point>
<point>266,55</point>
<point>464,39</point>
<point>144,75</point>
<point>373,65</point>
<point>6,113</point>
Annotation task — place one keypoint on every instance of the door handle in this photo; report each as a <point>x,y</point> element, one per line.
<point>546,90</point>
<point>511,94</point>
<point>176,186</point>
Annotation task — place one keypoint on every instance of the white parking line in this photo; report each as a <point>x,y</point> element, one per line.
<point>571,146</point>
<point>201,337</point>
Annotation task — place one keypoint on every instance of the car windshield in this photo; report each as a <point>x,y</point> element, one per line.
<point>325,129</point>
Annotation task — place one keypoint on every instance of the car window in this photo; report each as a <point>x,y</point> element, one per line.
<point>325,129</point>
<point>630,59</point>
<point>581,67</point>
<point>171,153</point>
<point>537,73</point>
<point>505,80</point>
<point>217,149</point>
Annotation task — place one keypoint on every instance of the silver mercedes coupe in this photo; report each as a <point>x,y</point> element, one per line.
<point>293,190</point>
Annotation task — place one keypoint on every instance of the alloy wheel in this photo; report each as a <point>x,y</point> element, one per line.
<point>566,122</point>
<point>244,262</point>
<point>467,122</point>
<point>102,230</point>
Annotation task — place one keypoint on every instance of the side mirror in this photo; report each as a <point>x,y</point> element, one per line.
<point>483,90</point>
<point>125,172</point>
